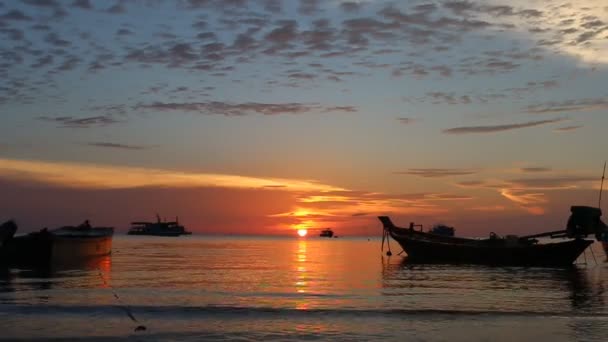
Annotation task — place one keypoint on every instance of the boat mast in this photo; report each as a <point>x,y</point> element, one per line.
<point>599,203</point>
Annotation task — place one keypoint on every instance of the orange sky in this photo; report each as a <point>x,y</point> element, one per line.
<point>53,194</point>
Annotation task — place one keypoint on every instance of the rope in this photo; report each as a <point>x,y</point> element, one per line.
<point>121,305</point>
<point>593,254</point>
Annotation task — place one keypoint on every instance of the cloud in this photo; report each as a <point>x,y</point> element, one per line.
<point>15,15</point>
<point>351,6</point>
<point>535,169</point>
<point>574,105</point>
<point>449,98</point>
<point>241,109</point>
<point>436,173</point>
<point>273,6</point>
<point>309,7</point>
<point>93,176</point>
<point>406,121</point>
<point>549,183</point>
<point>567,128</point>
<point>116,146</point>
<point>117,8</point>
<point>498,128</point>
<point>87,122</point>
<point>53,39</point>
<point>82,4</point>
<point>41,3</point>
<point>526,200</point>
<point>489,208</point>
<point>471,183</point>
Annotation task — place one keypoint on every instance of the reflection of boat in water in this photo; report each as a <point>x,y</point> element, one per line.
<point>59,245</point>
<point>326,233</point>
<point>158,228</point>
<point>430,247</point>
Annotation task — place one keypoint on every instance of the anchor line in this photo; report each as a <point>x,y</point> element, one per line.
<point>121,305</point>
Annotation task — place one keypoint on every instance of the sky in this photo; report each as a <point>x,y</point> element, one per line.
<point>268,116</point>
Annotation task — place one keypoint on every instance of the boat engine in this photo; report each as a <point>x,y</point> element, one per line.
<point>584,221</point>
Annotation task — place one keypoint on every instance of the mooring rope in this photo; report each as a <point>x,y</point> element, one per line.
<point>121,305</point>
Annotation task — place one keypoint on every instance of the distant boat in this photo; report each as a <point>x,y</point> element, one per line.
<point>158,228</point>
<point>59,245</point>
<point>326,233</point>
<point>431,247</point>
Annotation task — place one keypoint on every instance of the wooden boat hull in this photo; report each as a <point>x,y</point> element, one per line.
<point>425,249</point>
<point>422,247</point>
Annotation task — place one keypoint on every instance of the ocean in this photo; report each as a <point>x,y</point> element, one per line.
<point>211,288</point>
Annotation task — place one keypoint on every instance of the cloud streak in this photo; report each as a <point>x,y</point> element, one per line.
<point>92,176</point>
<point>436,173</point>
<point>499,128</point>
<point>116,146</point>
<point>241,109</point>
<point>579,105</point>
<point>86,122</point>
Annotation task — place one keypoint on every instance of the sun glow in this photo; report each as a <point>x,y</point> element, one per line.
<point>302,232</point>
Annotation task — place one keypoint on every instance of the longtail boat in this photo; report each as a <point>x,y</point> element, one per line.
<point>440,246</point>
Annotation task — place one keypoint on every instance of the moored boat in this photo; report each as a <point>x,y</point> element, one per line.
<point>511,250</point>
<point>7,230</point>
<point>158,228</point>
<point>327,233</point>
<point>59,245</point>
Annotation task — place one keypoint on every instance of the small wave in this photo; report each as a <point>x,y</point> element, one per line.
<point>268,312</point>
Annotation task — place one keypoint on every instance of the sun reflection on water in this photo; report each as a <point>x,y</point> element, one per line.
<point>301,278</point>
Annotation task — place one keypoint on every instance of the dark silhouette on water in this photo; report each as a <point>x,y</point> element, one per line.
<point>7,230</point>
<point>429,247</point>
<point>326,233</point>
<point>158,228</point>
<point>56,246</point>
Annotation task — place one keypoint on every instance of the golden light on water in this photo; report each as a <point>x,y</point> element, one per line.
<point>302,232</point>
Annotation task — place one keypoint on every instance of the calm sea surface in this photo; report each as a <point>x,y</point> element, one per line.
<point>257,288</point>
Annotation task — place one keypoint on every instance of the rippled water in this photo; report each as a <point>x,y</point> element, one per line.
<point>255,288</point>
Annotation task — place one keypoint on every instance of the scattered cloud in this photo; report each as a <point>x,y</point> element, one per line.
<point>567,128</point>
<point>549,183</point>
<point>498,128</point>
<point>15,15</point>
<point>530,201</point>
<point>406,121</point>
<point>241,109</point>
<point>82,4</point>
<point>436,173</point>
<point>86,122</point>
<point>535,169</point>
<point>575,105</point>
<point>116,146</point>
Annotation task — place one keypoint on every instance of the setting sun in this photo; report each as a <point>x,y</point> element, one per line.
<point>302,232</point>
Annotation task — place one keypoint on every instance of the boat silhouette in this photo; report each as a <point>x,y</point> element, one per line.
<point>511,250</point>
<point>158,228</point>
<point>59,245</point>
